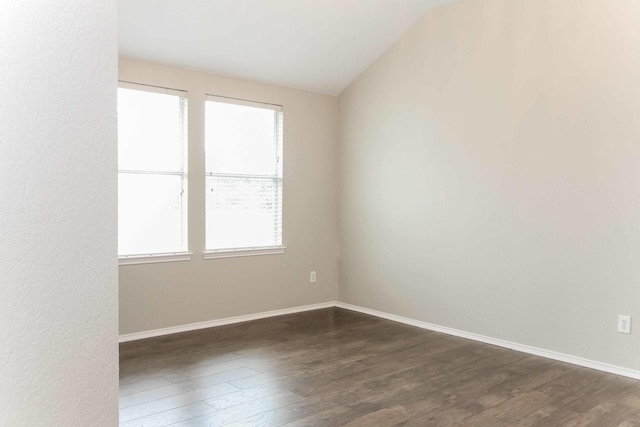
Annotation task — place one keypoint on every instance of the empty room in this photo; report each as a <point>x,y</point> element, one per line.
<point>320,213</point>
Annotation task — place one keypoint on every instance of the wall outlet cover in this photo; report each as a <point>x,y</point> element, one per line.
<point>624,324</point>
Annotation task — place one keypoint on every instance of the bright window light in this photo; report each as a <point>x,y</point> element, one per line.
<point>244,174</point>
<point>152,180</point>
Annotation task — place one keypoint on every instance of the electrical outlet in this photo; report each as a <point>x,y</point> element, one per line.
<point>624,324</point>
<point>312,277</point>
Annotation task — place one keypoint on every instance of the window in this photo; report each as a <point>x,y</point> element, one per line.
<point>243,147</point>
<point>152,179</point>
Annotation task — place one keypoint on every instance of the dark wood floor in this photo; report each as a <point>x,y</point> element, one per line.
<point>335,367</point>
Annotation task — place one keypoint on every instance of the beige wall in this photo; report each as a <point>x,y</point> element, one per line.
<point>155,296</point>
<point>490,175</point>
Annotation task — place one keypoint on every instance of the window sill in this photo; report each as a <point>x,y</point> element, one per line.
<point>232,253</point>
<point>154,258</point>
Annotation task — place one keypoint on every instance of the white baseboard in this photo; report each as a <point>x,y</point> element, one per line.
<point>549,354</point>
<point>220,322</point>
<point>600,366</point>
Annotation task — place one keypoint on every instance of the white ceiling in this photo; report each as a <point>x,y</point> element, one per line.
<point>317,45</point>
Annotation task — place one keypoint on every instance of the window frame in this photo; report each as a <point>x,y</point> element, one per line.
<point>186,254</point>
<point>279,175</point>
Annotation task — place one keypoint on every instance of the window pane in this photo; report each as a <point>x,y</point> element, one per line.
<point>243,212</point>
<point>150,218</point>
<point>150,131</point>
<point>240,139</point>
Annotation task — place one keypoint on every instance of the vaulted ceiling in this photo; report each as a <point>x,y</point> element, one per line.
<point>317,45</point>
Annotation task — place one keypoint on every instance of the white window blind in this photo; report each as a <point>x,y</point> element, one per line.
<point>152,184</point>
<point>243,174</point>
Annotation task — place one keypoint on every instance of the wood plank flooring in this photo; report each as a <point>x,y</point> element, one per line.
<point>335,367</point>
